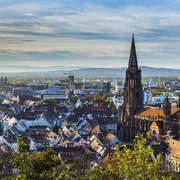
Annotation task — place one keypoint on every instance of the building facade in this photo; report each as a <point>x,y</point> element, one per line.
<point>21,91</point>
<point>135,117</point>
<point>172,156</point>
<point>70,82</point>
<point>133,98</point>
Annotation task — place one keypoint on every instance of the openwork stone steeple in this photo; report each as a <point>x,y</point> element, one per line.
<point>133,98</point>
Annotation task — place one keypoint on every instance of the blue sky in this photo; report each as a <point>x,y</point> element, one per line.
<point>93,33</point>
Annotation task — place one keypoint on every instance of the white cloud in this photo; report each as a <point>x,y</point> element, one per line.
<point>90,30</point>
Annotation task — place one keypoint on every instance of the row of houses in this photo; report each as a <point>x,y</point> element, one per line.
<point>79,133</point>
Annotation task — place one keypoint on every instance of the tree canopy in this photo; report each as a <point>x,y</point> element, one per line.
<point>131,164</point>
<point>5,164</point>
<point>73,99</point>
<point>134,163</point>
<point>50,101</point>
<point>119,93</point>
<point>100,97</point>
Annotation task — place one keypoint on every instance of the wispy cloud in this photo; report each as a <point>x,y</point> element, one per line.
<point>89,30</point>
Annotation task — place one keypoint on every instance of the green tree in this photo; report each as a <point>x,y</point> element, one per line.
<point>73,99</point>
<point>50,101</point>
<point>119,93</point>
<point>108,100</point>
<point>100,97</point>
<point>130,164</point>
<point>5,164</point>
<point>113,87</point>
<point>104,97</point>
<point>23,145</point>
<point>156,93</point>
<point>89,97</point>
<point>36,165</point>
<point>111,104</point>
<point>97,98</point>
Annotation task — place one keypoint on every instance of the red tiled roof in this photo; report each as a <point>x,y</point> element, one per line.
<point>175,112</point>
<point>154,113</point>
<point>174,147</point>
<point>99,108</point>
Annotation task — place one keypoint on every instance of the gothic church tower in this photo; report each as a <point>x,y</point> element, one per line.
<point>133,98</point>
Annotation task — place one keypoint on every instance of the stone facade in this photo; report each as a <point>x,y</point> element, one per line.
<point>133,98</point>
<point>138,119</point>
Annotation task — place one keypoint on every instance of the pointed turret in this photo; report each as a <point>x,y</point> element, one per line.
<point>133,65</point>
<point>167,106</point>
<point>1,80</point>
<point>178,104</point>
<point>133,97</point>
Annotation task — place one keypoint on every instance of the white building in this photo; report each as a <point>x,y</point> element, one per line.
<point>62,95</point>
<point>172,156</point>
<point>21,91</point>
<point>147,96</point>
<point>53,89</point>
<point>119,86</point>
<point>158,99</point>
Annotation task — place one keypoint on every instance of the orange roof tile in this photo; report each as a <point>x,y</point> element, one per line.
<point>110,137</point>
<point>95,145</point>
<point>52,134</point>
<point>175,112</point>
<point>174,147</point>
<point>74,133</point>
<point>99,108</point>
<point>95,130</point>
<point>154,126</point>
<point>148,113</point>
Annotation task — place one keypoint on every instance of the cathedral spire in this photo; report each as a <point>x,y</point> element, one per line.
<point>133,97</point>
<point>178,104</point>
<point>167,106</point>
<point>133,65</point>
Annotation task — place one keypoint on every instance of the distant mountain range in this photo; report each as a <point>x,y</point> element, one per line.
<point>58,71</point>
<point>19,69</point>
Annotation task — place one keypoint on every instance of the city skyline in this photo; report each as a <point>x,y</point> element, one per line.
<point>90,33</point>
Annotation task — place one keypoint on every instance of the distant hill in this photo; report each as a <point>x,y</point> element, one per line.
<point>94,72</point>
<point>20,69</point>
<point>116,72</point>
